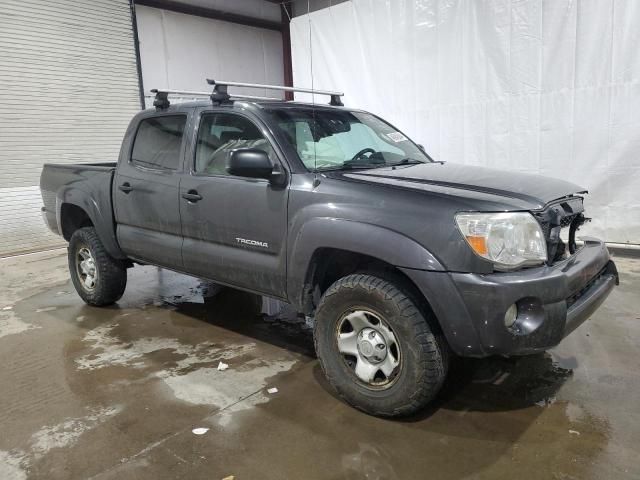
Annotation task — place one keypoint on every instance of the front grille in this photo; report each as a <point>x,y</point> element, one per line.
<point>557,221</point>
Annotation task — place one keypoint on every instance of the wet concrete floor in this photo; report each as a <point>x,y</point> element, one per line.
<point>115,393</point>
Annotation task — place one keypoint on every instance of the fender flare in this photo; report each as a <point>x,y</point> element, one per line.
<point>96,211</point>
<point>349,235</point>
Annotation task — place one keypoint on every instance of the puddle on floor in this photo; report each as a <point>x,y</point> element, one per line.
<point>154,355</point>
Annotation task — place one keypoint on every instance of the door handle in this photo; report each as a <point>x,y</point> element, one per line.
<point>125,187</point>
<point>192,196</point>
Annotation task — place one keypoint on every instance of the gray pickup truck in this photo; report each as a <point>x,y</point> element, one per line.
<point>401,260</point>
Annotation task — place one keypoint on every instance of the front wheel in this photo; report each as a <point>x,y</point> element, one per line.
<point>98,278</point>
<point>376,348</point>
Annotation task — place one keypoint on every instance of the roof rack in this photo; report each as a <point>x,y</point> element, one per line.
<point>220,93</point>
<point>161,99</point>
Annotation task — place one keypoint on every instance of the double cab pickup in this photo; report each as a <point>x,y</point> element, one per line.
<point>402,261</point>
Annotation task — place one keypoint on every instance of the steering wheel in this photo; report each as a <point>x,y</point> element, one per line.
<point>362,152</point>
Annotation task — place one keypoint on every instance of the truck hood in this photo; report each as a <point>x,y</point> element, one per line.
<point>533,189</point>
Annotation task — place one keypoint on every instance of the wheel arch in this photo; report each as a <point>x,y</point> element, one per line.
<point>77,208</point>
<point>327,265</point>
<point>72,218</point>
<point>320,238</point>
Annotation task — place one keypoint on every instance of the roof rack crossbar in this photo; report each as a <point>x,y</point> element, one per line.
<point>221,94</point>
<point>162,101</point>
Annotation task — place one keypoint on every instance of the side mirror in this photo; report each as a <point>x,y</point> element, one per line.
<point>250,162</point>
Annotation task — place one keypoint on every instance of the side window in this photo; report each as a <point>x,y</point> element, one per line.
<point>157,143</point>
<point>219,134</point>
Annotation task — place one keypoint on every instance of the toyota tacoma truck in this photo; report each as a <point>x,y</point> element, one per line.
<point>402,261</point>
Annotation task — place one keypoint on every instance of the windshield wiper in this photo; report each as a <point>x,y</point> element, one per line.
<point>359,165</point>
<point>404,161</point>
<point>350,166</point>
<point>411,161</point>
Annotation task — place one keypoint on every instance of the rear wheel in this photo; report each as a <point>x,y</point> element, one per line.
<point>98,278</point>
<point>376,347</point>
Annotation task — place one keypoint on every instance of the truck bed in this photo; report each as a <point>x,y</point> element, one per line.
<point>88,166</point>
<point>86,183</point>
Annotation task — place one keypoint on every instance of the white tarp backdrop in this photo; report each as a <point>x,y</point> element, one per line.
<point>548,87</point>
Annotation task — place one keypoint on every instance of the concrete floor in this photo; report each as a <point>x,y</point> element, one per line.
<point>114,393</point>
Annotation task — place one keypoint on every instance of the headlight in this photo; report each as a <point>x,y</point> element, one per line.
<point>509,240</point>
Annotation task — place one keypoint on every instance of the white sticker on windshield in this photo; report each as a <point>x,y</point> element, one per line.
<point>396,137</point>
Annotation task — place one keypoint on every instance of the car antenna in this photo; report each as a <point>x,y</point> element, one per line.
<point>316,177</point>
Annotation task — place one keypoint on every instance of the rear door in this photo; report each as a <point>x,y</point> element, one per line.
<point>234,227</point>
<point>146,190</point>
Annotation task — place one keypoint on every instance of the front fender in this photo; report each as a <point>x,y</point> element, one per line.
<point>363,238</point>
<point>98,209</point>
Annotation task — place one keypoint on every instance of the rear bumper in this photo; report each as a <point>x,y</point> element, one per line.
<point>552,302</point>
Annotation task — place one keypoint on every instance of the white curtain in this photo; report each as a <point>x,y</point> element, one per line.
<point>547,87</point>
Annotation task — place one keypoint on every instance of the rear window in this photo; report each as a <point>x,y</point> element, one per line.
<point>158,141</point>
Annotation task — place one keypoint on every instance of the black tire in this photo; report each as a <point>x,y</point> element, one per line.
<point>110,274</point>
<point>423,358</point>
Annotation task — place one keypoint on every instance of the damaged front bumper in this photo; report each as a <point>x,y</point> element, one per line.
<point>552,301</point>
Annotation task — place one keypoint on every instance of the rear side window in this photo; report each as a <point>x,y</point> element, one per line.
<point>158,141</point>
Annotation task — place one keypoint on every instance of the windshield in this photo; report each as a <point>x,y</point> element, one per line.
<point>335,139</point>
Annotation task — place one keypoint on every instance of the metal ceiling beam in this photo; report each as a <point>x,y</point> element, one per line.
<point>212,13</point>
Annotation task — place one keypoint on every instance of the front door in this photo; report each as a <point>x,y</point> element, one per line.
<point>146,192</point>
<point>234,228</point>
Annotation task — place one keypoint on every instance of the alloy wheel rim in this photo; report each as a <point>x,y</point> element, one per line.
<point>369,347</point>
<point>86,268</point>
